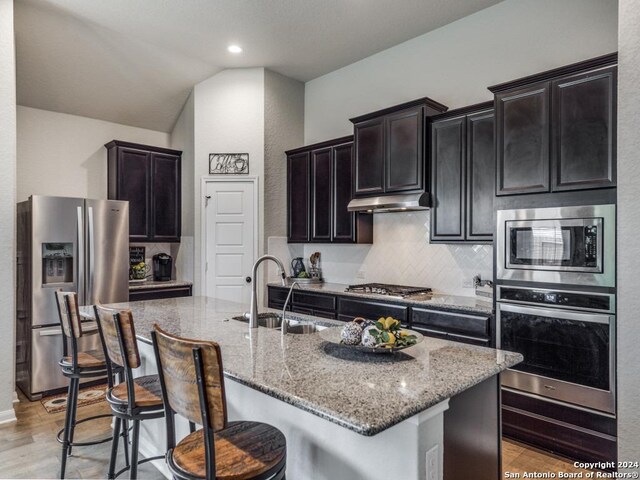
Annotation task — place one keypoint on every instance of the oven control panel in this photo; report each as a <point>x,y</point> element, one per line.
<point>557,298</point>
<point>591,245</point>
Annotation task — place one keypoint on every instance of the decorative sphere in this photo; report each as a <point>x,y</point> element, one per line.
<point>351,334</point>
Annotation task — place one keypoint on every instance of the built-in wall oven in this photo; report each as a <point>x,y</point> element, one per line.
<point>563,245</point>
<point>567,339</point>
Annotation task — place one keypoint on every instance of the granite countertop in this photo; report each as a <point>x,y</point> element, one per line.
<point>150,284</point>
<point>366,393</point>
<point>481,305</point>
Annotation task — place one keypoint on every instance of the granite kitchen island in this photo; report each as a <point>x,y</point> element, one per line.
<point>346,415</point>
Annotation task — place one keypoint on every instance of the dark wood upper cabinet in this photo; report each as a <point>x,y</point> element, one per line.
<point>320,187</point>
<point>321,201</point>
<point>390,148</point>
<point>556,130</point>
<point>369,143</point>
<point>462,175</point>
<point>403,165</point>
<point>344,224</point>
<point>149,178</point>
<point>298,178</point>
<point>522,152</point>
<point>481,178</point>
<point>584,136</point>
<point>166,201</point>
<point>448,152</point>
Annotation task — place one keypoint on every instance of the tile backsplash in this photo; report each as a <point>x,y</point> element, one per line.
<point>401,253</point>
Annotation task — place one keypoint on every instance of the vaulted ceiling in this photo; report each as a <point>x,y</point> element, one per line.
<point>135,61</point>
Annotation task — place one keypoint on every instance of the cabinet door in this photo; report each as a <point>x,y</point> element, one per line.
<point>584,121</point>
<point>321,166</point>
<point>447,163</point>
<point>298,196</point>
<point>166,223</point>
<point>369,143</point>
<point>343,220</point>
<point>134,185</point>
<point>481,179</point>
<point>403,158</point>
<point>523,140</point>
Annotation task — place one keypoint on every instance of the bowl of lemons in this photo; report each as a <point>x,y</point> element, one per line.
<point>386,335</point>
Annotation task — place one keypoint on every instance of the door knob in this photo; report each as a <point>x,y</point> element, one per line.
<point>248,279</point>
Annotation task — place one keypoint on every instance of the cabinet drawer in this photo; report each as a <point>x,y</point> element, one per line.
<point>451,323</point>
<point>149,294</point>
<point>277,296</point>
<point>348,308</point>
<point>314,300</point>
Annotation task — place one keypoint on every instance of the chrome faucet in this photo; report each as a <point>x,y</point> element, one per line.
<point>253,313</point>
<point>284,308</point>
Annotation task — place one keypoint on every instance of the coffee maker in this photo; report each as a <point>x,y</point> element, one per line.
<point>162,266</point>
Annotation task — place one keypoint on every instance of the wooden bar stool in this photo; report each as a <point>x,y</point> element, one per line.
<point>76,366</point>
<point>134,399</point>
<point>193,386</point>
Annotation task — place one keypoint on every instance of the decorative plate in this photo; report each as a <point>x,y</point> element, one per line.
<point>332,335</point>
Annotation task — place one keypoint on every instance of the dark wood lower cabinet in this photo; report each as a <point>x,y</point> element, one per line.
<point>574,433</point>
<point>158,293</point>
<point>449,325</point>
<point>472,433</point>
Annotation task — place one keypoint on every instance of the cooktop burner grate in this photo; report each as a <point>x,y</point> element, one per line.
<point>389,290</point>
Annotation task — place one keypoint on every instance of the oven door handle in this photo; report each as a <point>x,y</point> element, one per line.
<point>556,313</point>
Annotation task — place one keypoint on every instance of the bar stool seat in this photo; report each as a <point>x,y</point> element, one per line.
<point>88,359</point>
<point>243,450</point>
<point>148,392</point>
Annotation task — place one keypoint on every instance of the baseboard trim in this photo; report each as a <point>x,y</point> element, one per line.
<point>8,416</point>
<point>15,397</point>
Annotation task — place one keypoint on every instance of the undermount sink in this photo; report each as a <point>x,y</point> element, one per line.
<point>268,320</point>
<point>274,320</point>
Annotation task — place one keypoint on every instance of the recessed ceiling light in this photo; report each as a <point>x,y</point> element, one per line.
<point>234,49</point>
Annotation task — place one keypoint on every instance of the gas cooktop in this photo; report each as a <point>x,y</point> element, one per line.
<point>398,291</point>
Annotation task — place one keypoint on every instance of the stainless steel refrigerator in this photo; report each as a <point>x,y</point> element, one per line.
<point>75,244</point>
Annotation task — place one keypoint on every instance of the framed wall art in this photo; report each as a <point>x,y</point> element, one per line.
<point>228,163</point>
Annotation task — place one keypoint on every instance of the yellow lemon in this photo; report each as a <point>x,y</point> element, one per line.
<point>392,339</point>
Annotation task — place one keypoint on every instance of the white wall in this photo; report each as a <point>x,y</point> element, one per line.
<point>182,138</point>
<point>628,230</point>
<point>455,63</point>
<point>283,130</point>
<point>7,208</point>
<point>64,155</point>
<point>228,118</point>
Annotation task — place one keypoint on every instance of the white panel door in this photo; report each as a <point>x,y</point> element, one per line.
<point>231,223</point>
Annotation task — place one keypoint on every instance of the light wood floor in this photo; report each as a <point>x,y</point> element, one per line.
<point>28,448</point>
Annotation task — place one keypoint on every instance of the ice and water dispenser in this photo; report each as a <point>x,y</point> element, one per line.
<point>57,263</point>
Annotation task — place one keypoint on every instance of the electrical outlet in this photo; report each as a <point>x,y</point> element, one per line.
<point>432,465</point>
<point>360,274</point>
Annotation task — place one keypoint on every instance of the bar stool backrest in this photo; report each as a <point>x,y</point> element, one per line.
<point>192,379</point>
<point>119,336</point>
<point>67,303</point>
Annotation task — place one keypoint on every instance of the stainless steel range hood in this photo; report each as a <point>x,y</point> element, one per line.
<point>391,203</point>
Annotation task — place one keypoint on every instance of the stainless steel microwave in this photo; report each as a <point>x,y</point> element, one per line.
<point>563,245</point>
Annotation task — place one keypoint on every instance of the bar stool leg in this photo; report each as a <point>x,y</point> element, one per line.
<point>125,441</point>
<point>114,448</point>
<point>133,473</point>
<point>65,440</point>
<point>74,413</point>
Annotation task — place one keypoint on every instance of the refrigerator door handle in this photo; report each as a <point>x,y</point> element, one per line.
<point>81,260</point>
<point>92,258</point>
<point>49,332</point>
